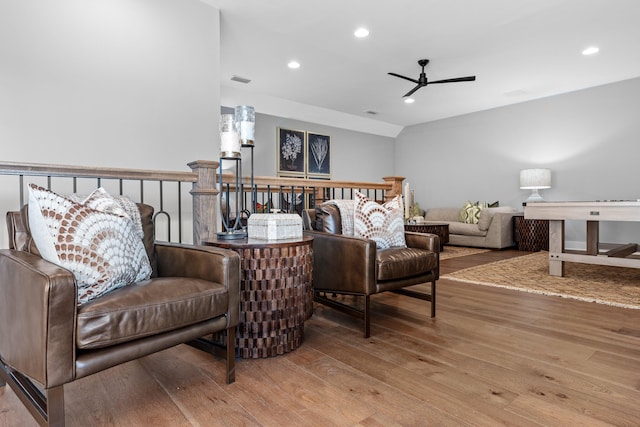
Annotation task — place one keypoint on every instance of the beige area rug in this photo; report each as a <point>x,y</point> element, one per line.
<point>616,286</point>
<point>457,251</point>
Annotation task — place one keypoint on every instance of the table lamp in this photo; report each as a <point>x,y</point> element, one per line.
<point>534,180</point>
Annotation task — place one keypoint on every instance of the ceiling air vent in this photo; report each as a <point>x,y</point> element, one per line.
<point>240,79</point>
<point>373,113</point>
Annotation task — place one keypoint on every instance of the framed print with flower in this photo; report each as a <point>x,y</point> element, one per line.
<point>291,152</point>
<point>318,155</point>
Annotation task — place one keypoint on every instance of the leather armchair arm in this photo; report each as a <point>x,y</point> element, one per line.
<point>203,262</point>
<point>423,241</point>
<point>343,263</point>
<point>37,317</point>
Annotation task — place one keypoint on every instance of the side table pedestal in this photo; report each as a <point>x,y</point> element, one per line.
<point>276,294</point>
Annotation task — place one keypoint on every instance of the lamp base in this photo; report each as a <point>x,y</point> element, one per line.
<point>535,196</point>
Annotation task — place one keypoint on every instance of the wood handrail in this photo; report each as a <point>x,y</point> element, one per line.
<point>43,169</point>
<point>263,181</point>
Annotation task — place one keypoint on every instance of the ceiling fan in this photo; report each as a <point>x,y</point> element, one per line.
<point>422,80</point>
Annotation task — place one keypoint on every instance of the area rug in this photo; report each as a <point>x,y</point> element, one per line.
<point>616,286</point>
<point>458,251</point>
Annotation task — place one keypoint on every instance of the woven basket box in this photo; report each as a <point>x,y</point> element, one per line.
<point>275,226</point>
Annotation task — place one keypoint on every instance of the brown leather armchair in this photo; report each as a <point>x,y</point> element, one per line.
<point>47,339</point>
<point>354,266</point>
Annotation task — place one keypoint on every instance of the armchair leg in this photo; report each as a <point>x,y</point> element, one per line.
<point>367,318</point>
<point>231,355</point>
<point>55,406</point>
<point>433,298</point>
<point>47,409</point>
<point>223,347</point>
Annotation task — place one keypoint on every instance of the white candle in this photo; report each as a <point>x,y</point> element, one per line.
<point>229,143</point>
<point>411,203</point>
<point>406,200</point>
<point>245,124</point>
<point>229,138</point>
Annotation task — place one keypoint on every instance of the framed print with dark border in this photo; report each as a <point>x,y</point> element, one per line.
<point>318,155</point>
<point>291,152</point>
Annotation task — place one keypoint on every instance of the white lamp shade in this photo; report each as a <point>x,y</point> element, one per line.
<point>532,179</point>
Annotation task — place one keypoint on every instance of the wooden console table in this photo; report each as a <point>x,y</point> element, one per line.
<point>276,294</point>
<point>592,212</point>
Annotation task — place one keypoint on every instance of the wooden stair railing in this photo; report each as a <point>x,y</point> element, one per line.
<point>270,192</point>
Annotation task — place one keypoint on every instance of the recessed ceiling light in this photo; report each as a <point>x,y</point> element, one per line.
<point>361,33</point>
<point>293,65</point>
<point>409,101</point>
<point>590,50</point>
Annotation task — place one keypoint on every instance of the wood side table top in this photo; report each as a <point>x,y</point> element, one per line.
<point>441,229</point>
<point>256,243</point>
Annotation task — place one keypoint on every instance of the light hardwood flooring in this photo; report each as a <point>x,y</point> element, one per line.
<point>491,357</point>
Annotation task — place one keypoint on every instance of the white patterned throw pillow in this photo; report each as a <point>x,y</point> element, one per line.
<point>383,224</point>
<point>101,245</point>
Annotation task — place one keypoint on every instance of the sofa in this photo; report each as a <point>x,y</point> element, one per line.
<point>494,228</point>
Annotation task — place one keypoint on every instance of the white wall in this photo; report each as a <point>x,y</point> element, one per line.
<point>108,82</point>
<point>123,83</point>
<point>588,138</point>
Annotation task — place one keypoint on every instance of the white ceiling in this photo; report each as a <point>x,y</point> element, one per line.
<point>518,50</point>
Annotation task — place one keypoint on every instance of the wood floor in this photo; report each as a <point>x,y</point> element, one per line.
<point>491,357</point>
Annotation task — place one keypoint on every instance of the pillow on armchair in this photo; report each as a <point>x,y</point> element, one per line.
<point>383,224</point>
<point>100,245</point>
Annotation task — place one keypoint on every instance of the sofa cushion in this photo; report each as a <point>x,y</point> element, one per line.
<point>466,229</point>
<point>442,214</point>
<point>148,308</point>
<point>398,263</point>
<point>384,224</point>
<point>104,250</point>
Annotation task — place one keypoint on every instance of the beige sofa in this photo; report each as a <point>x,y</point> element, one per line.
<point>494,229</point>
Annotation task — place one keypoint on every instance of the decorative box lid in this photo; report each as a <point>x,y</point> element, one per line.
<point>274,219</point>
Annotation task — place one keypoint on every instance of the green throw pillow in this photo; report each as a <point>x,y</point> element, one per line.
<point>470,212</point>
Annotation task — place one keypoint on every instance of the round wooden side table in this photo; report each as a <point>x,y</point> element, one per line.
<point>276,294</point>
<point>440,229</point>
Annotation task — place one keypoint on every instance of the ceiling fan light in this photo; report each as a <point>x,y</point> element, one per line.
<point>293,65</point>
<point>409,101</point>
<point>590,50</point>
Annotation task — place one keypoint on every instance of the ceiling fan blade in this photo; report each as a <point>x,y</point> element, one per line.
<point>412,90</point>
<point>403,77</point>
<point>457,79</point>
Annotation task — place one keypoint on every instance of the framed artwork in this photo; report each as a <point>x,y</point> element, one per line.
<point>318,155</point>
<point>291,152</point>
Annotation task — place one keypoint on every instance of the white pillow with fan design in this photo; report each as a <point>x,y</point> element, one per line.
<point>103,249</point>
<point>383,224</point>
